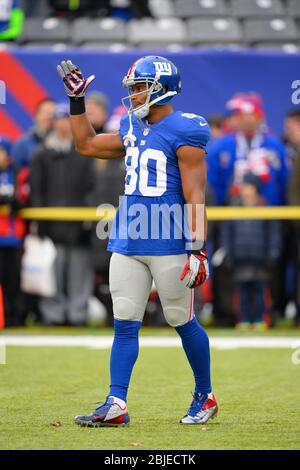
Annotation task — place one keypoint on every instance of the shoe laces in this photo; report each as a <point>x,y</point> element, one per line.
<point>197,403</point>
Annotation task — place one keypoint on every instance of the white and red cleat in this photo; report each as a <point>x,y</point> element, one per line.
<point>112,413</point>
<point>203,408</point>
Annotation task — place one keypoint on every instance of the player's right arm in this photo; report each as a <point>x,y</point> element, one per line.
<point>87,142</point>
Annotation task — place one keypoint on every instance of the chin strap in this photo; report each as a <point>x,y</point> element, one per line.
<point>129,138</point>
<point>160,98</point>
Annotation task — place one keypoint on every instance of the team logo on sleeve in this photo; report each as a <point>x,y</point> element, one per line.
<point>202,121</point>
<point>189,115</point>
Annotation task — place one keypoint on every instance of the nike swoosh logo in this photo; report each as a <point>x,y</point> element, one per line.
<point>203,123</point>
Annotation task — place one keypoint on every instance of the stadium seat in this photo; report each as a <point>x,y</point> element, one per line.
<point>163,46</point>
<point>257,8</point>
<point>157,32</point>
<point>161,8</point>
<point>275,30</point>
<point>112,47</point>
<point>214,31</point>
<point>231,46</point>
<point>50,30</point>
<point>102,30</point>
<point>291,48</point>
<point>194,8</point>
<point>52,46</point>
<point>293,8</point>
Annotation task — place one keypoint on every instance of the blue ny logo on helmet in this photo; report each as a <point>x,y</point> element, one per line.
<point>162,79</point>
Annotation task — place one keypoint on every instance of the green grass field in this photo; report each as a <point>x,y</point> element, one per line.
<point>257,390</point>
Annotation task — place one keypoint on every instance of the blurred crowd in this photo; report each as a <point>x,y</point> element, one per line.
<point>13,12</point>
<point>254,263</point>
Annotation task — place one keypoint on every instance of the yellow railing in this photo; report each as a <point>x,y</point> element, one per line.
<point>214,213</point>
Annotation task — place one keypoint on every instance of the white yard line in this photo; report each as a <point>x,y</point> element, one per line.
<point>105,342</point>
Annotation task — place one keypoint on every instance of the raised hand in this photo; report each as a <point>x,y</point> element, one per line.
<point>74,82</point>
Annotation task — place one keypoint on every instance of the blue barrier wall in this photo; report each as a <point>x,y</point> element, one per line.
<point>209,79</point>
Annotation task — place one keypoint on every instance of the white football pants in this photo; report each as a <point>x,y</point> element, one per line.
<point>131,278</point>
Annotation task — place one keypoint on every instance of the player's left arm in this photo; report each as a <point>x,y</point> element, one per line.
<point>192,167</point>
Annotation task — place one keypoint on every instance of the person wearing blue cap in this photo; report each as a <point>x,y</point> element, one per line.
<point>12,232</point>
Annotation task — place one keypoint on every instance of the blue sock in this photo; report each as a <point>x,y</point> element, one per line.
<point>124,353</point>
<point>196,346</point>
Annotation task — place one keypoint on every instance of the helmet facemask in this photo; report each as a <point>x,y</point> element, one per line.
<point>152,88</point>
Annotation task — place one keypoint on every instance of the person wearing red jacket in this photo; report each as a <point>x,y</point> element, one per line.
<point>12,232</point>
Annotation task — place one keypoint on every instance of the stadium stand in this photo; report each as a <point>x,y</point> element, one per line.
<point>201,8</point>
<point>270,30</point>
<point>293,8</point>
<point>257,8</point>
<point>105,30</point>
<point>226,30</point>
<point>162,8</point>
<point>45,30</point>
<point>167,30</point>
<point>262,24</point>
<point>40,9</point>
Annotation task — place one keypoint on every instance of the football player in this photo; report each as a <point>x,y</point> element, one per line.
<point>164,153</point>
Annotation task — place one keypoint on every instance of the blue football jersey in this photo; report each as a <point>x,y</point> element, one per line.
<point>151,219</point>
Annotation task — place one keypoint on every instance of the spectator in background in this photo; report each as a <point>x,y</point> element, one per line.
<point>292,140</point>
<point>216,122</point>
<point>129,9</point>
<point>60,177</point>
<point>26,146</point>
<point>73,8</point>
<point>97,110</point>
<point>251,246</point>
<point>11,20</point>
<point>251,148</point>
<point>124,9</point>
<point>291,132</point>
<point>22,155</point>
<point>232,122</point>
<point>113,123</point>
<point>12,232</point>
<point>110,176</point>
